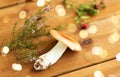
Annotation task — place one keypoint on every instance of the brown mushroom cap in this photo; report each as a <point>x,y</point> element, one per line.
<point>68,41</point>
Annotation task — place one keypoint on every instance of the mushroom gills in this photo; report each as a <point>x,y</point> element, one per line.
<point>51,57</point>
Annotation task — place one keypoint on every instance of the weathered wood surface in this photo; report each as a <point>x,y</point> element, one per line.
<point>109,69</point>
<point>70,61</point>
<point>8,3</point>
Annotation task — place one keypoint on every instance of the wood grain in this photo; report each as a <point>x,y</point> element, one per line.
<point>70,60</point>
<point>109,69</point>
<point>8,3</point>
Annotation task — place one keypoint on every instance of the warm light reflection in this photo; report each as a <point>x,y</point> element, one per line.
<point>118,57</point>
<point>40,3</point>
<point>104,54</point>
<point>92,29</point>
<point>115,20</point>
<point>113,38</point>
<point>22,14</point>
<point>5,51</point>
<point>97,50</point>
<point>83,34</point>
<point>6,19</point>
<point>60,10</point>
<point>98,73</point>
<point>72,27</point>
<point>16,67</point>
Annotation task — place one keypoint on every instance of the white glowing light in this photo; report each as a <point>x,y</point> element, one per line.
<point>104,54</point>
<point>40,3</point>
<point>22,14</point>
<point>58,7</point>
<point>83,34</point>
<point>92,29</point>
<point>60,10</point>
<point>98,73</point>
<point>118,57</point>
<point>5,50</point>
<point>97,50</point>
<point>115,20</point>
<point>72,27</point>
<point>114,38</point>
<point>17,67</point>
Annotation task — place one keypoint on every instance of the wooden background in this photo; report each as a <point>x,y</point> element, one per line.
<point>72,64</point>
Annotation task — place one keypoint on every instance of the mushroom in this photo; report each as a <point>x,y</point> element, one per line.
<point>51,57</point>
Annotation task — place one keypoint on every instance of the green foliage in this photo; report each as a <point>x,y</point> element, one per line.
<point>23,43</point>
<point>59,27</point>
<point>67,4</point>
<point>85,11</point>
<point>24,55</point>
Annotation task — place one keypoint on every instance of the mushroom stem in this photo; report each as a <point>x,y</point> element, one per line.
<point>51,57</point>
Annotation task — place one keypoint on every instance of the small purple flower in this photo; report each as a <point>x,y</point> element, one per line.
<point>47,8</point>
<point>33,19</point>
<point>33,59</point>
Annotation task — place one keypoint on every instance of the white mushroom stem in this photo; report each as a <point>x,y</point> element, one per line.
<point>56,52</point>
<point>51,57</point>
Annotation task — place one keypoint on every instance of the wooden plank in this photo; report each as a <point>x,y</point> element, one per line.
<point>109,69</point>
<point>5,3</point>
<point>70,60</point>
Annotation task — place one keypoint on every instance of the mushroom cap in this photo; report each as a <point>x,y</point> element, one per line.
<point>65,39</point>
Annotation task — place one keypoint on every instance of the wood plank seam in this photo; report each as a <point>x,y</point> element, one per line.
<point>26,1</point>
<point>85,67</point>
